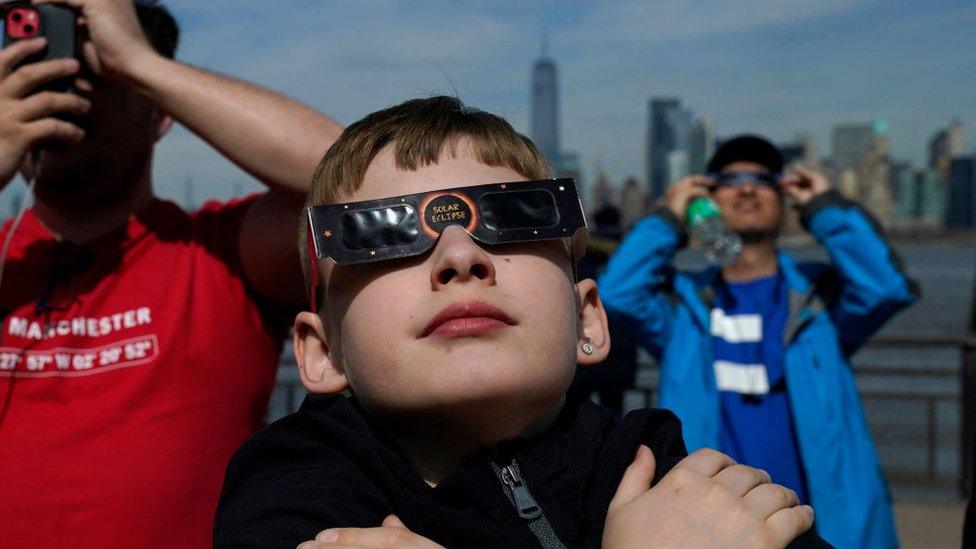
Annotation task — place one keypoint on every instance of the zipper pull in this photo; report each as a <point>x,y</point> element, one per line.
<point>527,506</point>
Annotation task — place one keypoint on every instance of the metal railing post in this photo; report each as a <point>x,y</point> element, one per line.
<point>967,444</point>
<point>931,439</point>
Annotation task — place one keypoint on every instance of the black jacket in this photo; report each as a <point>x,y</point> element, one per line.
<point>324,466</point>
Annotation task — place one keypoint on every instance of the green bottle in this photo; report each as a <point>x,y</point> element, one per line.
<point>704,219</point>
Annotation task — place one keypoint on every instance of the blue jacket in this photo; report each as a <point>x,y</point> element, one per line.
<point>833,310</point>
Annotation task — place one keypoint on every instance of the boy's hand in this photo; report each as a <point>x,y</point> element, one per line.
<point>705,501</point>
<point>116,45</point>
<point>802,184</point>
<point>684,191</point>
<point>392,533</point>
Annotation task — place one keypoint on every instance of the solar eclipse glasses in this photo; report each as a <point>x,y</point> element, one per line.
<point>735,179</point>
<point>405,226</point>
<point>409,225</point>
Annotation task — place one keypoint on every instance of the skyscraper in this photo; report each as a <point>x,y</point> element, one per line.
<point>946,144</point>
<point>632,199</point>
<point>861,161</point>
<point>930,192</point>
<point>961,203</point>
<point>545,106</point>
<point>702,145</point>
<point>849,143</point>
<point>544,122</point>
<point>669,143</point>
<point>603,191</point>
<point>874,180</point>
<point>901,176</point>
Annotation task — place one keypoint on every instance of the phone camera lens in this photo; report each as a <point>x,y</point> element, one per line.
<point>16,17</point>
<point>29,29</point>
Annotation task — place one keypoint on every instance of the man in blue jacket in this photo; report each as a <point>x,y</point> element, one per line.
<point>755,354</point>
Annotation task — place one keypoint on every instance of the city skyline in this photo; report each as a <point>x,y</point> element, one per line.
<point>776,68</point>
<point>544,127</point>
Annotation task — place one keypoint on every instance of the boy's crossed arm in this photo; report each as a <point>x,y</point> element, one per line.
<point>707,500</point>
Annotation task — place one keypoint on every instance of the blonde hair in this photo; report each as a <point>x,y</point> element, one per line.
<point>418,130</point>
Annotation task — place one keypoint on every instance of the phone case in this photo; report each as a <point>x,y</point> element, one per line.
<point>58,24</point>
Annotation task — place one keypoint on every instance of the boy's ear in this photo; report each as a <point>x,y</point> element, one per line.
<point>592,325</point>
<point>315,366</point>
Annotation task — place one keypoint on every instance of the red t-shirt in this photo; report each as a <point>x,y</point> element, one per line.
<point>131,368</point>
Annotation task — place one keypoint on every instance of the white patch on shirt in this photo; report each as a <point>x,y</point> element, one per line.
<point>746,379</point>
<point>736,328</point>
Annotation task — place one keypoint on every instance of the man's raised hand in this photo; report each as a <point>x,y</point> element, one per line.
<point>28,119</point>
<point>803,184</point>
<point>682,192</point>
<point>116,45</point>
<point>707,500</point>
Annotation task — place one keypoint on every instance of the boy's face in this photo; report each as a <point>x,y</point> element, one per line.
<point>750,208</point>
<point>460,326</point>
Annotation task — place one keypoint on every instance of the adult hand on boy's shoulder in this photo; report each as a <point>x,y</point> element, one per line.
<point>392,533</point>
<point>707,500</point>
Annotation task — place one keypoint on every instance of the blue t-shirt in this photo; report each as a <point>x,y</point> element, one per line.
<point>747,339</point>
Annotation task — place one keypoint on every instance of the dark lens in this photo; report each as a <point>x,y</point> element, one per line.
<point>734,179</point>
<point>393,226</point>
<point>518,209</point>
<point>16,17</point>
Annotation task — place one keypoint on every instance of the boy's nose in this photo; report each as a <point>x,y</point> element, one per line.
<point>458,258</point>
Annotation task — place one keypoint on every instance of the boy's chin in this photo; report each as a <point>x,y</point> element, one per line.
<point>499,410</point>
<point>493,395</point>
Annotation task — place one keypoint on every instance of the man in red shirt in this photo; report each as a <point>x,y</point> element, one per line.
<point>138,342</point>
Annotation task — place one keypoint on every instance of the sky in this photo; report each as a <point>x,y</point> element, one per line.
<point>775,67</point>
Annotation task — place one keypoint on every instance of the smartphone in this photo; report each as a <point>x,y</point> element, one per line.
<point>59,24</point>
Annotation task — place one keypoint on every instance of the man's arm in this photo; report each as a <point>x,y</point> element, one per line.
<point>873,286</point>
<point>630,286</point>
<point>275,139</point>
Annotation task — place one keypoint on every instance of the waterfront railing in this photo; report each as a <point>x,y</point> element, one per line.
<point>919,397</point>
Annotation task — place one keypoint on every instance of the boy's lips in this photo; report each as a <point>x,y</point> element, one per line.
<point>467,319</point>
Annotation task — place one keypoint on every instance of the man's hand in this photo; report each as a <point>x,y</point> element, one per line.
<point>705,501</point>
<point>392,533</point>
<point>802,185</point>
<point>28,120</point>
<point>116,45</point>
<point>684,191</point>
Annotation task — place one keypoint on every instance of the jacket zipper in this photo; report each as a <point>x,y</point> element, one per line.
<point>525,504</point>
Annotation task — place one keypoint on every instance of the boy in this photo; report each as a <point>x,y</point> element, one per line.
<point>458,355</point>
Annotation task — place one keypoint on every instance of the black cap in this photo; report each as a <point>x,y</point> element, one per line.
<point>746,148</point>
